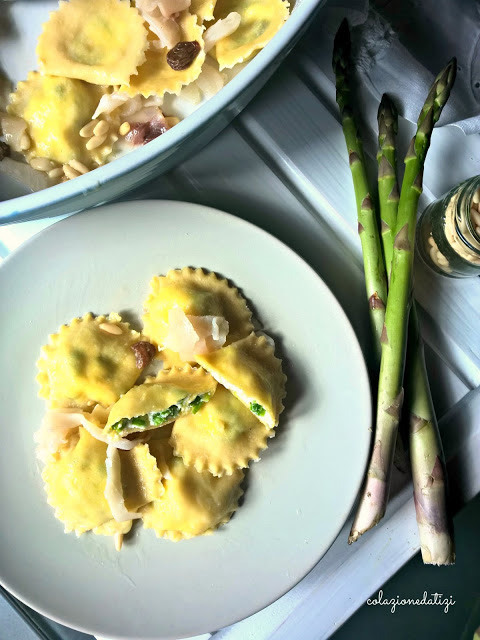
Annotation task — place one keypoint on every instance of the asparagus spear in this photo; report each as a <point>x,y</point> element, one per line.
<point>388,195</point>
<point>426,453</point>
<point>375,279</point>
<point>394,335</point>
<point>435,526</point>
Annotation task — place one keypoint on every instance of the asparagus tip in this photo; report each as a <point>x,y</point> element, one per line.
<point>386,103</point>
<point>342,44</point>
<point>452,69</point>
<point>343,32</point>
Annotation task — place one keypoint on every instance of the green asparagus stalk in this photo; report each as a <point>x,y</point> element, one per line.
<point>394,335</point>
<point>375,279</point>
<point>435,526</point>
<point>426,454</point>
<point>388,195</point>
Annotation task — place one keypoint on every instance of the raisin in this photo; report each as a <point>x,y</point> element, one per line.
<point>143,132</point>
<point>144,352</point>
<point>182,55</point>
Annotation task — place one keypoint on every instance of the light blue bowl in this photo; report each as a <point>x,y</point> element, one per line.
<point>186,138</point>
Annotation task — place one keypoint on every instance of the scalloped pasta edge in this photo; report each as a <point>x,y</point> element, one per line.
<point>216,469</point>
<point>177,536</point>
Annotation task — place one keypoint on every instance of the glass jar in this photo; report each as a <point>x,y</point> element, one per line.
<point>448,235</point>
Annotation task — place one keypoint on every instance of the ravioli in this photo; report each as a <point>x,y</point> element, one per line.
<point>75,485</point>
<point>160,400</point>
<point>222,436</point>
<point>170,450</point>
<point>260,21</point>
<point>196,293</point>
<point>85,363</point>
<point>156,76</point>
<point>141,482</point>
<point>193,503</point>
<point>250,370</point>
<point>141,477</point>
<point>55,110</point>
<point>102,43</point>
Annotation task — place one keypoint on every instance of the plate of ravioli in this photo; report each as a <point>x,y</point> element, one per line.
<point>175,420</point>
<point>98,97</point>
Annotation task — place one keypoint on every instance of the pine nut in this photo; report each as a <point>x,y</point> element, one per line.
<point>433,255</point>
<point>118,537</point>
<point>441,259</point>
<point>87,130</point>
<point>25,142</point>
<point>78,166</point>
<point>55,173</point>
<point>95,142</point>
<point>476,196</point>
<point>432,242</point>
<point>70,172</point>
<point>42,164</point>
<point>124,129</point>
<point>101,129</point>
<point>477,229</point>
<point>111,328</point>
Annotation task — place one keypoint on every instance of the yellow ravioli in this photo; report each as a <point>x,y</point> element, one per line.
<point>260,21</point>
<point>193,503</point>
<point>75,484</point>
<point>85,364</point>
<point>55,110</point>
<point>141,483</point>
<point>171,388</point>
<point>141,477</point>
<point>198,294</point>
<point>156,76</point>
<point>102,42</point>
<point>222,436</point>
<point>250,370</point>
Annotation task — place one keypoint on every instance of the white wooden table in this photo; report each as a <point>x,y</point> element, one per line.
<point>282,165</point>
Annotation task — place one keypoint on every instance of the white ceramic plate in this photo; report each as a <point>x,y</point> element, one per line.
<point>298,496</point>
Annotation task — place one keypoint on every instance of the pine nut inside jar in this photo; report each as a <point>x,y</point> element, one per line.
<point>448,237</point>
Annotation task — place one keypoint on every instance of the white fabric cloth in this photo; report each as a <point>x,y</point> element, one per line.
<point>400,45</point>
